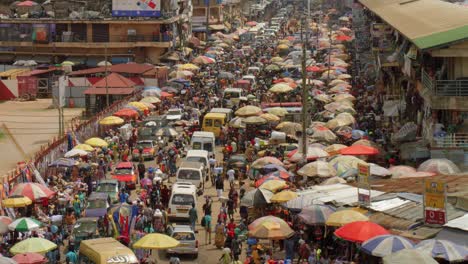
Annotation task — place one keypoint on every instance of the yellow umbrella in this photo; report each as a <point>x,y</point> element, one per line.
<point>277,111</point>
<point>337,81</point>
<point>272,231</point>
<point>277,59</point>
<point>68,63</point>
<point>111,120</point>
<point>343,217</point>
<point>280,88</point>
<point>14,202</point>
<point>270,117</point>
<point>255,120</point>
<point>283,196</point>
<point>139,105</point>
<point>344,97</point>
<point>156,241</point>
<point>151,100</point>
<point>290,128</point>
<point>284,41</point>
<point>344,76</point>
<point>248,110</point>
<point>33,245</point>
<point>273,185</point>
<point>189,67</point>
<point>84,147</point>
<point>96,142</point>
<point>282,46</point>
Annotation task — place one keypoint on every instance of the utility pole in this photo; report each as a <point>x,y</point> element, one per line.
<point>105,76</point>
<point>304,91</point>
<point>207,19</point>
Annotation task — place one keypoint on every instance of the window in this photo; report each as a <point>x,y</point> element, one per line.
<point>191,175</point>
<point>208,147</point>
<point>183,199</point>
<point>183,236</point>
<point>196,145</point>
<point>217,123</point>
<point>208,122</point>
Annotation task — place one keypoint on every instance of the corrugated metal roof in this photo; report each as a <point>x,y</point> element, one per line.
<point>427,23</point>
<point>421,233</point>
<point>453,235</point>
<point>385,205</point>
<point>393,223</point>
<point>455,183</point>
<point>459,223</point>
<point>127,68</point>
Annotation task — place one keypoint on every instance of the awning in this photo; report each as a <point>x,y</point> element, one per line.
<point>7,58</point>
<point>112,91</point>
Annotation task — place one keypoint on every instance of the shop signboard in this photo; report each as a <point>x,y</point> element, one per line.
<point>136,8</point>
<point>434,202</point>
<point>363,186</point>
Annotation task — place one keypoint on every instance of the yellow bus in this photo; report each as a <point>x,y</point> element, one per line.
<point>213,122</point>
<point>105,250</point>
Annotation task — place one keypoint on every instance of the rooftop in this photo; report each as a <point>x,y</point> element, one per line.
<point>128,68</point>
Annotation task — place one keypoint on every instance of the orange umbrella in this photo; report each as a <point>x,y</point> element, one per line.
<point>126,113</point>
<point>359,150</point>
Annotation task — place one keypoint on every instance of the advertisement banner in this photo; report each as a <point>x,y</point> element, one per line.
<point>434,202</point>
<point>363,186</point>
<point>136,8</point>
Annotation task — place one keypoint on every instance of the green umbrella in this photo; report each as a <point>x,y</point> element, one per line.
<point>24,224</point>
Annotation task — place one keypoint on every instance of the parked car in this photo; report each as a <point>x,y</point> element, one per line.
<point>124,172</point>
<point>145,149</point>
<point>97,204</point>
<point>85,228</point>
<point>111,187</point>
<point>174,114</point>
<point>188,241</point>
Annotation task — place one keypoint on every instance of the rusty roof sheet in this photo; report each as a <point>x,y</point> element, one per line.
<point>393,223</point>
<point>126,68</point>
<point>455,183</point>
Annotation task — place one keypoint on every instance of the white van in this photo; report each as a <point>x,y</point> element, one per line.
<point>232,96</point>
<point>183,196</point>
<point>200,156</point>
<point>192,172</point>
<point>203,140</point>
<point>252,79</point>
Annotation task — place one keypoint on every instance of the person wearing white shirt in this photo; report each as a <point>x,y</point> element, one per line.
<point>231,177</point>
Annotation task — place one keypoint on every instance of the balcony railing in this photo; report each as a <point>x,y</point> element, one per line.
<point>444,87</point>
<point>455,140</point>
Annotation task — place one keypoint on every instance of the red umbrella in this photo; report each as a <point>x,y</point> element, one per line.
<point>359,150</point>
<point>29,258</point>
<point>27,3</point>
<point>166,94</point>
<point>33,191</point>
<point>126,113</point>
<point>343,38</point>
<point>251,23</point>
<point>280,173</point>
<point>360,231</point>
<point>313,69</point>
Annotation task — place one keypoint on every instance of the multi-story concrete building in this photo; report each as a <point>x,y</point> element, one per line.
<point>204,11</point>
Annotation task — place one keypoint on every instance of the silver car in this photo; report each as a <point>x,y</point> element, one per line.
<point>188,241</point>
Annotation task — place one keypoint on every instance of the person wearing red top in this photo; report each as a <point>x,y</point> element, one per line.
<point>231,226</point>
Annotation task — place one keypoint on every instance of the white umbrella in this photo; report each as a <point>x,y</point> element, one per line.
<point>75,153</point>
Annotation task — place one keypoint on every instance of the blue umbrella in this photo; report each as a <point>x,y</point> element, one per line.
<point>384,245</point>
<point>63,162</point>
<point>443,249</point>
<point>357,134</point>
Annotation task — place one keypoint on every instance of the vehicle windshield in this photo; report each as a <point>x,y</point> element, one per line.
<point>145,132</point>
<point>208,146</point>
<point>174,112</point>
<point>231,94</point>
<point>85,227</point>
<point>191,175</point>
<point>144,145</point>
<point>196,145</point>
<point>107,187</point>
<point>183,236</point>
<point>182,199</point>
<point>95,204</point>
<point>197,159</point>
<point>123,171</point>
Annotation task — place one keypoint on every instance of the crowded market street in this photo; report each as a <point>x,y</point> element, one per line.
<point>267,142</point>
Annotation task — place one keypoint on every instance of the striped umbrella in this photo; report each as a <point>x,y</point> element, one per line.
<point>381,246</point>
<point>33,191</point>
<point>443,249</point>
<point>315,214</point>
<point>24,224</point>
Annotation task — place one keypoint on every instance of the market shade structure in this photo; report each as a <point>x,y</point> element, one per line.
<point>33,245</point>
<point>381,246</point>
<point>24,224</point>
<point>166,132</point>
<point>270,227</point>
<point>29,258</point>
<point>262,162</point>
<point>15,202</point>
<point>283,196</point>
<point>270,117</point>
<point>281,88</point>
<point>237,122</point>
<point>256,198</point>
<point>334,148</point>
<point>274,185</point>
<point>126,113</point>
<point>359,150</point>
<point>315,214</point>
<point>277,111</point>
<point>114,84</point>
<point>140,106</point>
<point>312,153</point>
<point>27,3</point>
<point>84,147</point>
<point>75,153</point>
<point>97,142</point>
<point>63,162</point>
<point>290,128</point>
<point>33,191</point>
<point>317,168</point>
<point>151,100</point>
<point>322,133</point>
<point>406,256</point>
<point>188,67</point>
<point>439,166</point>
<point>343,164</point>
<point>360,231</point>
<point>248,110</point>
<point>255,120</point>
<point>443,249</point>
<point>111,121</point>
<point>6,220</point>
<point>156,241</point>
<point>343,217</point>
<point>5,260</point>
<point>266,178</point>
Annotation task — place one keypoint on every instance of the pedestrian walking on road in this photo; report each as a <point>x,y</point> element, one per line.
<point>193,216</point>
<point>207,222</point>
<point>219,186</point>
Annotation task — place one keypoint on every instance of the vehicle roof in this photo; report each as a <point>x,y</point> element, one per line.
<point>220,110</point>
<point>183,188</point>
<point>190,165</point>
<point>233,89</point>
<point>248,76</point>
<point>216,115</point>
<point>182,228</point>
<point>197,152</point>
<point>203,134</point>
<point>109,181</point>
<point>145,140</point>
<point>98,196</point>
<point>174,109</point>
<point>126,164</point>
<point>87,219</point>
<point>253,68</point>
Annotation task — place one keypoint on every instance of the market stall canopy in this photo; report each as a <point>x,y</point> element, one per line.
<point>156,241</point>
<point>33,191</point>
<point>111,121</point>
<point>97,142</point>
<point>261,162</point>
<point>283,196</point>
<point>270,227</point>
<point>151,100</point>
<point>24,224</point>
<point>384,245</point>
<point>29,258</point>
<point>33,245</point>
<point>274,185</point>
<point>317,169</point>
<point>316,214</point>
<point>16,201</point>
<point>343,217</point>
<point>409,256</point>
<point>249,110</point>
<point>443,249</point>
<point>114,84</point>
<point>439,166</point>
<point>256,198</point>
<point>75,153</point>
